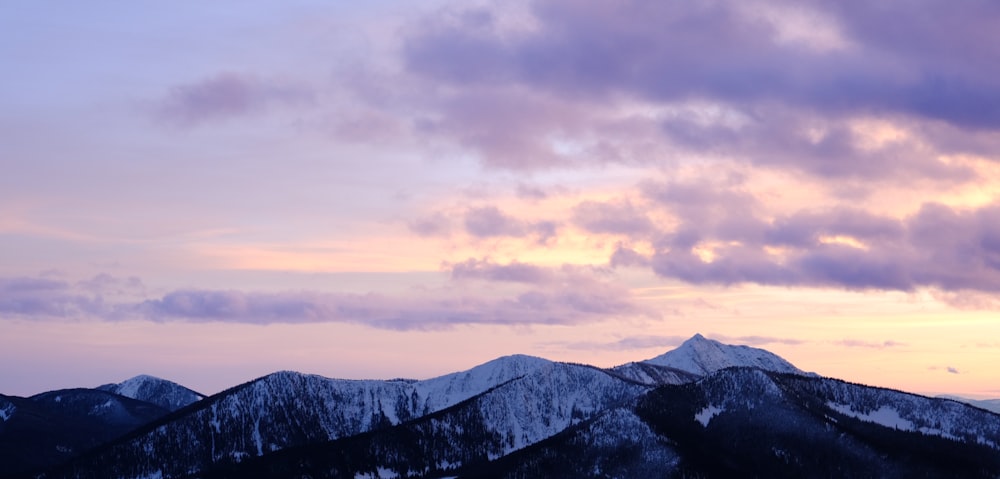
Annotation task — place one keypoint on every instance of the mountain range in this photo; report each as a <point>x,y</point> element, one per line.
<point>704,409</point>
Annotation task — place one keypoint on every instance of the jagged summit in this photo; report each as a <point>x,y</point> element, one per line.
<point>702,356</point>
<point>163,393</point>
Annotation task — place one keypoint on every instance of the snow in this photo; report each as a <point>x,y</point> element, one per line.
<point>706,415</point>
<point>441,392</point>
<point>7,411</point>
<point>158,391</point>
<point>885,416</point>
<point>702,356</point>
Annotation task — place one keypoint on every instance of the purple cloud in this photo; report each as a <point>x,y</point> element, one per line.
<point>664,51</point>
<point>34,298</point>
<point>768,97</point>
<point>491,222</point>
<point>565,295</point>
<point>226,95</point>
<point>513,272</point>
<point>630,343</point>
<point>612,218</point>
<point>557,306</point>
<point>437,224</point>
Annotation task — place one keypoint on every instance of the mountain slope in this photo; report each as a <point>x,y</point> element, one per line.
<point>166,394</point>
<point>51,427</point>
<point>507,418</point>
<point>739,422</point>
<point>702,356</point>
<point>288,409</point>
<point>653,374</point>
<point>683,414</point>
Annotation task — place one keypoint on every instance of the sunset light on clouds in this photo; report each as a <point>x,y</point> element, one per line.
<point>209,192</point>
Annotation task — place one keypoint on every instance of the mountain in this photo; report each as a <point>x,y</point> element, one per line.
<point>288,409</point>
<point>992,405</point>
<point>51,427</point>
<point>705,409</point>
<point>736,422</point>
<point>166,394</point>
<point>700,356</point>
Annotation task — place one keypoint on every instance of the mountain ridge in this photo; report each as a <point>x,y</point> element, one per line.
<point>529,416</point>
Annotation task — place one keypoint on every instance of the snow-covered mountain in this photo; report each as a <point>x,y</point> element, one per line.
<point>700,355</point>
<point>987,404</point>
<point>166,394</point>
<point>705,409</point>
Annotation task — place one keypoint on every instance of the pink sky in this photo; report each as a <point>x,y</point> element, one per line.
<point>210,193</point>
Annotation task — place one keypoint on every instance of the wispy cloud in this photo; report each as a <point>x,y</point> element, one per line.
<point>857,343</point>
<point>585,299</point>
<point>227,95</point>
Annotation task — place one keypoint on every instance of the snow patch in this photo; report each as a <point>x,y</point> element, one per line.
<point>885,416</point>
<point>706,415</point>
<point>702,356</point>
<point>6,412</point>
<point>380,473</point>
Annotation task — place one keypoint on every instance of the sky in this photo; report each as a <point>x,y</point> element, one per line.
<point>212,191</point>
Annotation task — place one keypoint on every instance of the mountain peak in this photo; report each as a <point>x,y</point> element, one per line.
<point>167,394</point>
<point>702,356</point>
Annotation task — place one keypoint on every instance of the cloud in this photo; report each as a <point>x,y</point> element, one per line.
<point>513,272</point>
<point>611,218</point>
<point>226,95</point>
<point>552,296</point>
<point>773,83</point>
<point>758,340</point>
<point>629,343</point>
<point>534,307</point>
<point>725,50</point>
<point>492,222</point>
<point>724,235</point>
<point>856,343</point>
<point>437,224</point>
<point>947,369</point>
<point>33,298</point>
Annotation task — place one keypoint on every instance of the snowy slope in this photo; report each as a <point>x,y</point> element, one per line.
<point>652,374</point>
<point>514,415</point>
<point>702,356</point>
<point>441,392</point>
<point>992,405</point>
<point>288,409</point>
<point>166,394</point>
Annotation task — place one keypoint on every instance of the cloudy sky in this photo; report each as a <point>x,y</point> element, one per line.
<point>212,191</point>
